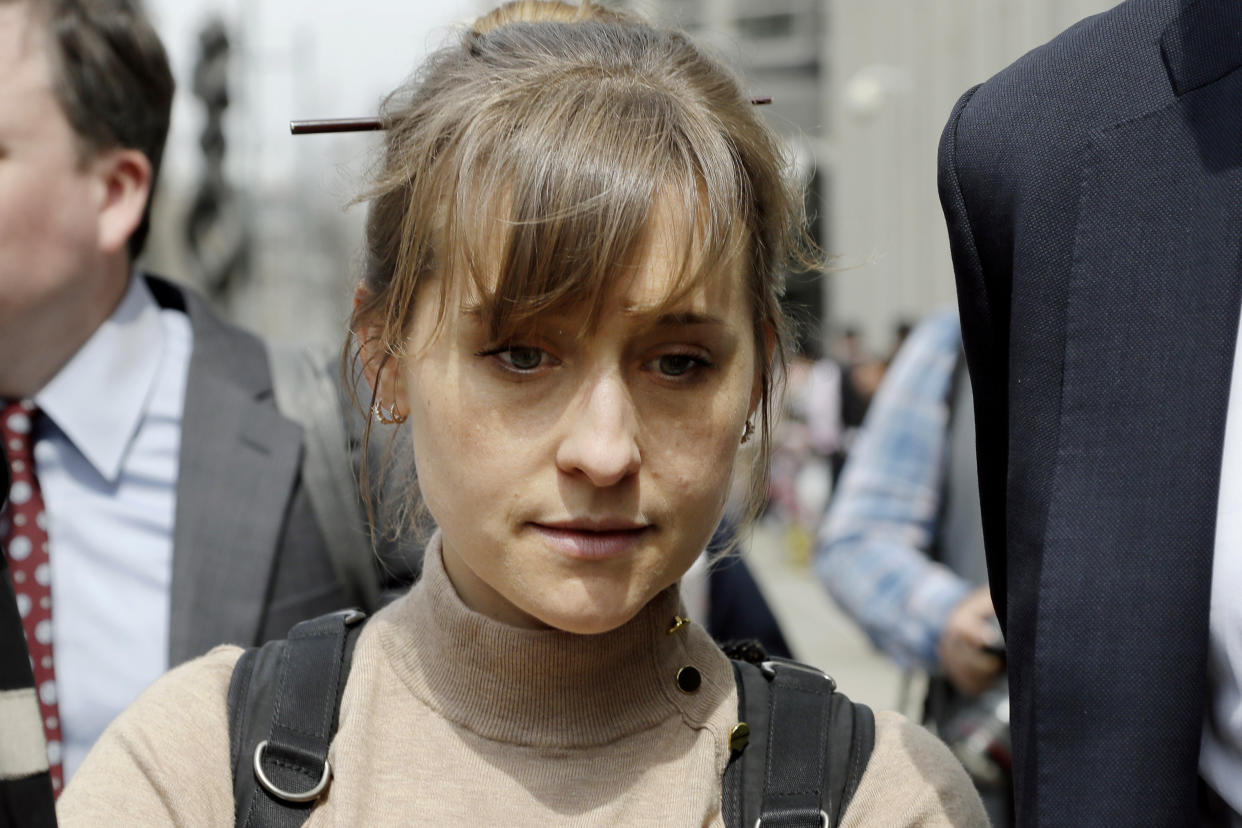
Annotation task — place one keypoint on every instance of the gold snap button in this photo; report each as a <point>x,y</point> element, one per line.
<point>689,680</point>
<point>739,737</point>
<point>678,623</point>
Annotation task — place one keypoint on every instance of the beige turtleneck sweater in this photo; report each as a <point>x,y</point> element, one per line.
<point>452,718</point>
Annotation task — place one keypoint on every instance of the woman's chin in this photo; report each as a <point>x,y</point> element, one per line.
<point>593,618</point>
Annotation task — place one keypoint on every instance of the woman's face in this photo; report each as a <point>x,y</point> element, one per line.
<point>576,476</point>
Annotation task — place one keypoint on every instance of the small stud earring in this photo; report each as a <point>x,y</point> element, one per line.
<point>747,432</point>
<point>387,415</point>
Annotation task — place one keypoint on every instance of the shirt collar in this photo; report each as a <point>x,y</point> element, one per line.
<point>98,398</point>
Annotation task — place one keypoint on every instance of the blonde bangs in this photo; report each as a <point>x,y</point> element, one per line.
<point>553,200</point>
<point>541,176</point>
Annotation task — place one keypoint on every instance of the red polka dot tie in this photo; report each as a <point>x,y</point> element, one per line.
<point>23,534</point>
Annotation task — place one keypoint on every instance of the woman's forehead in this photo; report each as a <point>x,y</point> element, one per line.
<point>669,277</point>
<point>678,258</point>
<point>673,278</point>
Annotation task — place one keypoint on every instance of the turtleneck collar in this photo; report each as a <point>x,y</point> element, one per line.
<point>548,688</point>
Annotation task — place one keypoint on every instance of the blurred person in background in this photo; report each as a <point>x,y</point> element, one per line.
<point>858,375</point>
<point>901,331</point>
<point>155,489</point>
<point>807,447</point>
<point>901,551</point>
<point>720,592</point>
<point>1093,191</point>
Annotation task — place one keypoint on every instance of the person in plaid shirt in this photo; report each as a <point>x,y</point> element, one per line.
<point>901,545</point>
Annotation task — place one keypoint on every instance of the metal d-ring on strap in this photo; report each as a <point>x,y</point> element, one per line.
<point>300,732</point>
<point>822,815</point>
<point>292,796</point>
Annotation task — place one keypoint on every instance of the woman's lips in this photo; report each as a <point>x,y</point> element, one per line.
<point>591,544</point>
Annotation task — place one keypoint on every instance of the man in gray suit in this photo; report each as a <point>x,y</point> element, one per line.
<point>157,491</point>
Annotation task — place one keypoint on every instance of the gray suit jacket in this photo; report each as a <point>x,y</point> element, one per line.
<point>249,558</point>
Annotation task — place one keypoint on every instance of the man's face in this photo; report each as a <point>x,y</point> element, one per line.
<point>48,199</point>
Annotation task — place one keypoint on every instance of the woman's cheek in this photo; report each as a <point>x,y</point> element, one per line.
<point>698,467</point>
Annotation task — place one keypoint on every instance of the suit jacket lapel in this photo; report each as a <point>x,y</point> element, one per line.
<point>1201,45</point>
<point>238,463</point>
<point>1152,318</point>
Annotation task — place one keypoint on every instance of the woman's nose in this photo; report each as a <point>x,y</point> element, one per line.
<point>600,438</point>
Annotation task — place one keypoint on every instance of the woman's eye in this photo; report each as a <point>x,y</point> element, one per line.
<point>678,365</point>
<point>522,358</point>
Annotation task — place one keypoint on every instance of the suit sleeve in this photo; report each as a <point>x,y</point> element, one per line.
<point>983,290</point>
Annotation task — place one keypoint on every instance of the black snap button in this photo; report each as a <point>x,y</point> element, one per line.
<point>689,680</point>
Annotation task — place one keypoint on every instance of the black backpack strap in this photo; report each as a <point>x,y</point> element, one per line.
<point>283,702</point>
<point>742,788</point>
<point>853,723</point>
<point>808,747</point>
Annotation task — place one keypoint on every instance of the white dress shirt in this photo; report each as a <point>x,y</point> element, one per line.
<point>106,457</point>
<point>1220,757</point>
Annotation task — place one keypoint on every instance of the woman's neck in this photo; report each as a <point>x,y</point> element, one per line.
<point>544,687</point>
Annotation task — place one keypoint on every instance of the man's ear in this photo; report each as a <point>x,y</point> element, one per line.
<point>124,176</point>
<point>380,366</point>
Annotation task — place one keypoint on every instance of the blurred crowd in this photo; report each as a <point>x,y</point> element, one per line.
<point>826,400</point>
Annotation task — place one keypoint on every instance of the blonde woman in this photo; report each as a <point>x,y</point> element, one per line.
<point>575,243</point>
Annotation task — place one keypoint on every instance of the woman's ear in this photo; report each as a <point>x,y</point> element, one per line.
<point>380,365</point>
<point>763,365</point>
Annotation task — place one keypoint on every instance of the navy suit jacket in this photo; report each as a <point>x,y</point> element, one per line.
<point>1093,193</point>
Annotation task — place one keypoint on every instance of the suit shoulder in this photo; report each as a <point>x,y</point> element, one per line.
<point>1101,70</point>
<point>221,348</point>
<point>1024,129</point>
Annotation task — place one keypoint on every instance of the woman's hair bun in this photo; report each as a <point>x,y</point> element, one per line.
<point>547,11</point>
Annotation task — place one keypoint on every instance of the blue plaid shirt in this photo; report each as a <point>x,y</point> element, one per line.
<point>871,553</point>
